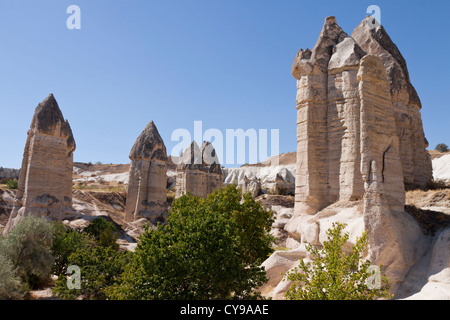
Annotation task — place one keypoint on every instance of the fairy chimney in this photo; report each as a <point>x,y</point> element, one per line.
<point>146,194</point>
<point>45,182</point>
<point>199,171</point>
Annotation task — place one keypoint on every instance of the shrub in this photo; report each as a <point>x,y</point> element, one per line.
<point>65,242</point>
<point>100,268</point>
<point>442,147</point>
<point>28,247</point>
<point>334,274</point>
<point>10,284</point>
<point>104,232</point>
<point>95,252</point>
<point>12,184</point>
<point>209,249</point>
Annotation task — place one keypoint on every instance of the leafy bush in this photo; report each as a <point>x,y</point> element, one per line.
<point>12,184</point>
<point>100,268</point>
<point>104,232</point>
<point>10,284</point>
<point>334,274</point>
<point>28,247</point>
<point>442,147</point>
<point>65,242</point>
<point>209,249</point>
<point>95,252</point>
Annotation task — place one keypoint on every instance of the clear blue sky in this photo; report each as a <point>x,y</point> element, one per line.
<point>226,63</point>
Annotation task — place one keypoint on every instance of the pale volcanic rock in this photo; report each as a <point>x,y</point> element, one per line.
<point>211,161</point>
<point>392,233</point>
<point>380,159</point>
<point>251,185</point>
<point>146,193</point>
<point>360,142</point>
<point>191,173</point>
<point>310,68</point>
<point>199,171</point>
<point>7,173</point>
<point>263,178</point>
<point>329,118</point>
<point>343,121</point>
<point>45,183</point>
<point>416,162</point>
<point>441,168</point>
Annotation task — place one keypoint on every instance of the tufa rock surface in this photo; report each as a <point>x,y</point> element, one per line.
<point>330,117</point>
<point>393,234</point>
<point>146,194</point>
<point>45,182</point>
<point>7,173</point>
<point>416,162</point>
<point>360,143</point>
<point>199,171</point>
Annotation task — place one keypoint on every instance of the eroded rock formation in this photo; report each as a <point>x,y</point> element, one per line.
<point>146,194</point>
<point>45,183</point>
<point>384,197</point>
<point>199,171</point>
<point>251,185</point>
<point>7,173</point>
<point>360,144</point>
<point>416,162</point>
<point>330,118</point>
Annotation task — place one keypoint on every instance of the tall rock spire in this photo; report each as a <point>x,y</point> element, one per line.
<point>416,162</point>
<point>146,196</point>
<point>199,171</point>
<point>311,71</point>
<point>45,183</point>
<point>359,137</point>
<point>329,116</point>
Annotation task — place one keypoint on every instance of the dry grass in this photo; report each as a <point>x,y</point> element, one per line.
<point>437,154</point>
<point>421,198</point>
<point>276,200</point>
<point>100,187</point>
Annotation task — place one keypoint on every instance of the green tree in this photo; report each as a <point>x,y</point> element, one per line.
<point>335,274</point>
<point>442,147</point>
<point>65,242</point>
<point>12,184</point>
<point>104,232</point>
<point>209,249</point>
<point>100,268</point>
<point>28,247</point>
<point>10,284</point>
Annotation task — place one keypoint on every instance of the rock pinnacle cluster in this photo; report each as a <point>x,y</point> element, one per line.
<point>199,171</point>
<point>357,115</point>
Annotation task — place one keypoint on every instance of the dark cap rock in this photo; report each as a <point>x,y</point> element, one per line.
<point>149,145</point>
<point>48,119</point>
